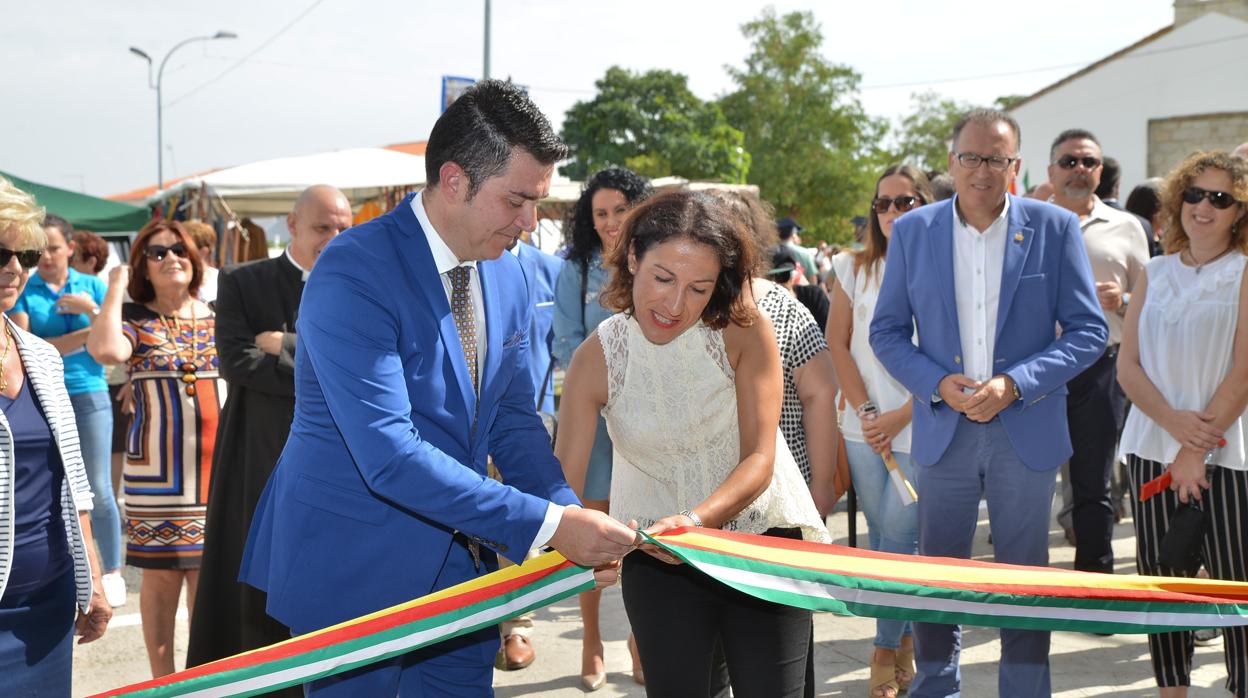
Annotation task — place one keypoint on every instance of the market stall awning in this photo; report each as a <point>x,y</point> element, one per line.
<point>83,211</point>
<point>269,187</point>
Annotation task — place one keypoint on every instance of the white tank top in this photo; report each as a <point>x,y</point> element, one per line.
<point>1186,335</point>
<point>672,414</point>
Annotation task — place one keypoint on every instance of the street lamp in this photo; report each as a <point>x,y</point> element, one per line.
<point>160,73</point>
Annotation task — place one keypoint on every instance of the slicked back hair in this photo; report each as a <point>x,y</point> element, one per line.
<point>480,130</point>
<point>1071,134</point>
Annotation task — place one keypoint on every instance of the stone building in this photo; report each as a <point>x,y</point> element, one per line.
<point>1181,89</point>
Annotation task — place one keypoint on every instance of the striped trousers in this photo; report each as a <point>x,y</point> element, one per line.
<point>1225,549</point>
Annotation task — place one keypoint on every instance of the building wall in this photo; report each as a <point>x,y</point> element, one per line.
<point>1172,140</point>
<point>1189,71</point>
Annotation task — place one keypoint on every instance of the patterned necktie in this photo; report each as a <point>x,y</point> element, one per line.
<point>465,318</point>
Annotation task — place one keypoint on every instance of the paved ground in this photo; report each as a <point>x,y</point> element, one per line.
<point>1083,665</point>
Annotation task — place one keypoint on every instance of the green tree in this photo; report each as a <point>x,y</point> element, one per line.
<point>653,124</point>
<point>815,149</point>
<point>923,136</point>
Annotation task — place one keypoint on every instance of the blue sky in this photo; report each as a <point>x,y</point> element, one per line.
<point>350,74</point>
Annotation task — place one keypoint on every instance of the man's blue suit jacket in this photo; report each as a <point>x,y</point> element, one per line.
<point>383,463</point>
<point>1046,282</point>
<point>541,270</point>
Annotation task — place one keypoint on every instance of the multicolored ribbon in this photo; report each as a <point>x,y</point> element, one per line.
<point>378,636</point>
<point>814,576</point>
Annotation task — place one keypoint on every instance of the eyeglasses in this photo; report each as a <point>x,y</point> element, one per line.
<point>901,203</point>
<point>29,259</point>
<point>1068,162</point>
<point>972,161</point>
<point>1192,195</point>
<point>157,253</point>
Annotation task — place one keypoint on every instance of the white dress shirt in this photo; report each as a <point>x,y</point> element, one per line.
<point>445,261</point>
<point>978,262</point>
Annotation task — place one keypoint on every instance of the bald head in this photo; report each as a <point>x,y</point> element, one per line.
<point>1241,151</point>
<point>320,213</point>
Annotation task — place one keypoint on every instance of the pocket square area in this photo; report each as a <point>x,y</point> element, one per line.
<point>514,340</point>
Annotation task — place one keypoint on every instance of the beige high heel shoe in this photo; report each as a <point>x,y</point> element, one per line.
<point>593,680</point>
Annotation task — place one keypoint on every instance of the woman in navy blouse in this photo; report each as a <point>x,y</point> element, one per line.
<point>49,574</point>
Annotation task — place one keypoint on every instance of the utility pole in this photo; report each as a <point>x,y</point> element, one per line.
<point>486,72</point>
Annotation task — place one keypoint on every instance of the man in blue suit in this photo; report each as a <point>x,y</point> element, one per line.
<point>541,270</point>
<point>411,366</point>
<point>987,278</point>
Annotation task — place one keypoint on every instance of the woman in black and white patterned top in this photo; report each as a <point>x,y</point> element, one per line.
<point>808,413</point>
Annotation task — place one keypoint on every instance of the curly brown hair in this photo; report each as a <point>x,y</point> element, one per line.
<point>1181,178</point>
<point>703,218</point>
<point>759,218</point>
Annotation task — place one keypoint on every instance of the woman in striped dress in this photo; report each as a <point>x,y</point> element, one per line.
<point>166,337</point>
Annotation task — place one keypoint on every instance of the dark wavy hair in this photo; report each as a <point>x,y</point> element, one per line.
<point>1181,177</point>
<point>875,246</point>
<point>88,244</point>
<point>759,218</point>
<point>580,221</point>
<point>703,218</point>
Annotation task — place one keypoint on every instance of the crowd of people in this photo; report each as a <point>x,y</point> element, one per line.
<point>290,422</point>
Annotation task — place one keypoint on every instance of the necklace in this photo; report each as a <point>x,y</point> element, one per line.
<point>4,355</point>
<point>1201,265</point>
<point>186,361</point>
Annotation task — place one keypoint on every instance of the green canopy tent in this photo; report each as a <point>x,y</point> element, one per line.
<point>83,211</point>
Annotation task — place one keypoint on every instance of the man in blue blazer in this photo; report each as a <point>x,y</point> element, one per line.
<point>987,279</point>
<point>411,366</point>
<point>541,270</point>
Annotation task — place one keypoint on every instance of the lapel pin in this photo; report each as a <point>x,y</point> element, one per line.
<point>1018,237</point>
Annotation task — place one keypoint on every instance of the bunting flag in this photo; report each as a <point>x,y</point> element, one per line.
<point>813,576</point>
<point>856,582</point>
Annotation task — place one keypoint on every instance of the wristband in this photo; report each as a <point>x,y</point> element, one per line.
<point>697,520</point>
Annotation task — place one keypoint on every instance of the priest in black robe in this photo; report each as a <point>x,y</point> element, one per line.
<point>257,304</point>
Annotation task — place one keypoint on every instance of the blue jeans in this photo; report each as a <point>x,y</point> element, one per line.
<point>891,526</point>
<point>981,462</point>
<point>94,415</point>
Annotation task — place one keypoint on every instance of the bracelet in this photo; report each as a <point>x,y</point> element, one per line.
<point>867,408</point>
<point>697,520</point>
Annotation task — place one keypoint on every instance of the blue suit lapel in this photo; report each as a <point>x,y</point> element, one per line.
<point>421,267</point>
<point>1017,246</point>
<point>493,326</point>
<point>940,238</point>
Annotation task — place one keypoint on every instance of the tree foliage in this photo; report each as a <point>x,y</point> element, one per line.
<point>653,124</point>
<point>814,149</point>
<point>923,137</point>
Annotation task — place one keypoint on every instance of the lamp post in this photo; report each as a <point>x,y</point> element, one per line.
<point>160,74</point>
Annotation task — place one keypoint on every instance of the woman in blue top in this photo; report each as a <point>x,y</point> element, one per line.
<point>593,226</point>
<point>58,305</point>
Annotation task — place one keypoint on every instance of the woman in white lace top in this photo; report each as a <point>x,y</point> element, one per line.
<point>688,378</point>
<point>1183,363</point>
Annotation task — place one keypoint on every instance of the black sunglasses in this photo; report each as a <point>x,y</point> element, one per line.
<point>157,253</point>
<point>1193,195</point>
<point>901,203</point>
<point>1068,162</point>
<point>29,259</point>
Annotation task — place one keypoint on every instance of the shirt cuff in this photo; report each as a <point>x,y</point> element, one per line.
<point>554,514</point>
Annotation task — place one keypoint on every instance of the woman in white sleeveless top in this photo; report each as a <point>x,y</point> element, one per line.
<point>1183,363</point>
<point>877,415</point>
<point>688,378</point>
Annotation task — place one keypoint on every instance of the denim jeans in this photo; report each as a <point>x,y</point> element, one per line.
<point>891,526</point>
<point>94,415</point>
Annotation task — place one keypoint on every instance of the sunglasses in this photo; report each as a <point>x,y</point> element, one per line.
<point>1068,162</point>
<point>157,253</point>
<point>901,203</point>
<point>1192,195</point>
<point>29,259</point>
